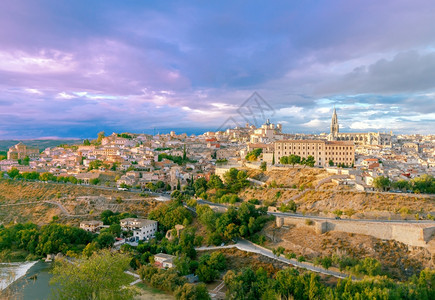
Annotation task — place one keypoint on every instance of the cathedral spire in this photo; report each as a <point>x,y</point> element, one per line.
<point>334,124</point>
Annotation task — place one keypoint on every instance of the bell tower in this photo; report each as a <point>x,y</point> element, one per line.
<point>334,125</point>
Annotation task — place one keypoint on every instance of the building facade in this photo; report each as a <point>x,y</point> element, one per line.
<point>142,228</point>
<point>268,132</point>
<point>164,261</point>
<point>20,151</point>
<point>91,226</point>
<point>322,151</point>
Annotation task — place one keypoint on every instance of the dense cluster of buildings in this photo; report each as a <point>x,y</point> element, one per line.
<point>141,159</point>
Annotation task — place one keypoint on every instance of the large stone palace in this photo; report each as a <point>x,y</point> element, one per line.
<point>20,151</point>
<point>322,151</point>
<point>367,138</point>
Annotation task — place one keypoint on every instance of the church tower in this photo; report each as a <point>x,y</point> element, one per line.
<point>334,125</point>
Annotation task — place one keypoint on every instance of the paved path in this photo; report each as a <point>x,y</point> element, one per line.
<point>256,181</point>
<point>247,246</point>
<point>297,196</point>
<point>135,276</point>
<point>22,203</point>
<point>61,207</point>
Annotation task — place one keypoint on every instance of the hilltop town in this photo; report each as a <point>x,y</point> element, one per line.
<point>171,160</point>
<point>337,204</point>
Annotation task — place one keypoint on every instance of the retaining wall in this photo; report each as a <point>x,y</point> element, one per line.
<point>410,234</point>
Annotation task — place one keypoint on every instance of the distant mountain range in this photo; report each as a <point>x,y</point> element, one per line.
<point>40,144</point>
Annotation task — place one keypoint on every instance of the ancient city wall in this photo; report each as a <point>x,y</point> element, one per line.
<point>410,234</point>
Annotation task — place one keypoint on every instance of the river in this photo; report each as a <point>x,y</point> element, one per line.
<point>32,282</point>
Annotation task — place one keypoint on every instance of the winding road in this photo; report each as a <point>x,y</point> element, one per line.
<point>248,246</point>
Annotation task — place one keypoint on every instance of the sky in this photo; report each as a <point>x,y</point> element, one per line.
<point>75,68</point>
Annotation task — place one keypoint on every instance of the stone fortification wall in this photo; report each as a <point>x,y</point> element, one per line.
<point>410,234</point>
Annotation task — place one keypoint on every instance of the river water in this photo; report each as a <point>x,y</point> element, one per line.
<point>31,281</point>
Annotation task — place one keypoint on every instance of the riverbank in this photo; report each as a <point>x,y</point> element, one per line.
<point>12,271</point>
<point>34,284</point>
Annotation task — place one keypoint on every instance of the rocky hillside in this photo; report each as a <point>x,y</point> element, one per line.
<point>39,202</point>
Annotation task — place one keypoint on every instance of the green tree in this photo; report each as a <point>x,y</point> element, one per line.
<point>170,214</point>
<point>105,240</point>
<point>381,183</point>
<point>83,279</point>
<point>101,136</point>
<point>310,161</point>
<point>12,173</point>
<point>90,249</point>
<point>263,166</point>
<point>183,264</point>
<point>94,181</point>
<point>217,261</point>
<point>115,229</point>
<point>254,154</point>
<point>192,292</point>
<point>95,165</point>
<point>423,184</point>
<point>331,162</point>
<point>26,161</point>
<point>207,274</point>
<point>215,182</point>
<point>338,212</point>
<point>294,159</point>
<point>401,184</point>
<point>326,262</point>
<point>54,238</point>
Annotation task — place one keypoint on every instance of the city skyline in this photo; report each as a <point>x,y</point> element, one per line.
<point>72,69</point>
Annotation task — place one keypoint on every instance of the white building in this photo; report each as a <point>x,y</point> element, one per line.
<point>163,260</point>
<point>142,228</point>
<point>91,226</point>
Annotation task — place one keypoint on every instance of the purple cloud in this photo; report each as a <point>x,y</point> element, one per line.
<point>75,68</point>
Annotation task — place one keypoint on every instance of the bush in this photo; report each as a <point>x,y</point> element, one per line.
<point>192,291</point>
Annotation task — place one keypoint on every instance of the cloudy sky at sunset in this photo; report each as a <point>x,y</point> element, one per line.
<point>74,68</point>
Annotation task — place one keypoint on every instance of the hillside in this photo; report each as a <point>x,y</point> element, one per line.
<point>291,177</point>
<point>27,202</point>
<point>313,196</point>
<point>398,260</point>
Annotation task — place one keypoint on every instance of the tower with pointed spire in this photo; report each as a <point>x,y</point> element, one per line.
<point>334,125</point>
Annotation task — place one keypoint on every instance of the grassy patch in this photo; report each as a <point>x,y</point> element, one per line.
<point>150,289</point>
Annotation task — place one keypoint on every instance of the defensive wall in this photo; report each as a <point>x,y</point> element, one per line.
<point>411,234</point>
